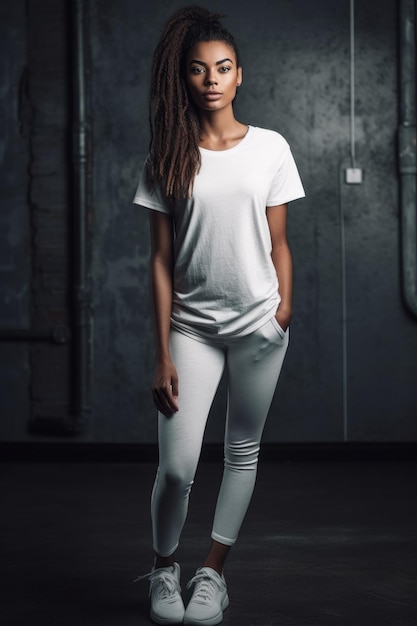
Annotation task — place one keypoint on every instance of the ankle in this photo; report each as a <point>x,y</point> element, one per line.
<point>213,565</point>
<point>217,556</point>
<point>163,561</point>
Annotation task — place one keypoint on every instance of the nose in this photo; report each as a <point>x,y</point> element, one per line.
<point>210,79</point>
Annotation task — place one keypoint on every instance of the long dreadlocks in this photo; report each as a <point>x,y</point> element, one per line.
<point>175,130</point>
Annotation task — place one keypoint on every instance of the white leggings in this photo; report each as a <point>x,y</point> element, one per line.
<point>253,364</point>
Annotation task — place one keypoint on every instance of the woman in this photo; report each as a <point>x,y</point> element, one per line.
<point>221,274</point>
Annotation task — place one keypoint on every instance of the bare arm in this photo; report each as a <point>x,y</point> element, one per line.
<point>282,260</point>
<point>165,381</point>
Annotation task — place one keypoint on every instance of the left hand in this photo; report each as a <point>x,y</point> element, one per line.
<point>283,318</point>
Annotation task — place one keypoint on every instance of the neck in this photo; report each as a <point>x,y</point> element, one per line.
<point>220,129</point>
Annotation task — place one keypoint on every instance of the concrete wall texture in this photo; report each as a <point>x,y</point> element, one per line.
<point>296,80</point>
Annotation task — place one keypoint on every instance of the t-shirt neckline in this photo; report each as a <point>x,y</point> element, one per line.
<point>229,150</point>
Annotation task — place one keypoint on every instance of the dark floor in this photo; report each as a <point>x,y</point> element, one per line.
<point>323,543</point>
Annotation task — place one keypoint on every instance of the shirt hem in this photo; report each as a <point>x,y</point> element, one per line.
<point>221,338</point>
<point>278,202</point>
<point>146,204</point>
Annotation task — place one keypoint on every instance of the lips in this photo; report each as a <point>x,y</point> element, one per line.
<point>212,95</point>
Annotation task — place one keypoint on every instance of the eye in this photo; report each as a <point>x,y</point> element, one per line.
<point>224,69</point>
<point>197,69</point>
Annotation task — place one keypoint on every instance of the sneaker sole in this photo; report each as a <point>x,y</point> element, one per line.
<point>162,620</point>
<point>212,621</point>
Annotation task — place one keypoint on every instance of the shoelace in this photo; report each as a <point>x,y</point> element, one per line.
<point>167,583</point>
<point>205,586</point>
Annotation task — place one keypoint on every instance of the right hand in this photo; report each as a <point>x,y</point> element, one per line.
<point>165,388</point>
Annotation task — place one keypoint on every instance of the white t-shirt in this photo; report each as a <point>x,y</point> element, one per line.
<point>225,283</point>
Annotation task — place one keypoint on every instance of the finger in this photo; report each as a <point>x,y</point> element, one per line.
<point>174,389</point>
<point>165,401</point>
<point>161,404</point>
<point>172,398</point>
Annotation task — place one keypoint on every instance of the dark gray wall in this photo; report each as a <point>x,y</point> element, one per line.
<point>35,212</point>
<point>296,80</point>
<point>14,223</point>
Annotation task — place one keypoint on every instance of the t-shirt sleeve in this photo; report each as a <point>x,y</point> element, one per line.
<point>286,185</point>
<point>151,198</point>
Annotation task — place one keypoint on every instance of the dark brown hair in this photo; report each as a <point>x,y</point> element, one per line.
<point>174,157</point>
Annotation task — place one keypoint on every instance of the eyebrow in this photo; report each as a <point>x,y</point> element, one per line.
<point>205,64</point>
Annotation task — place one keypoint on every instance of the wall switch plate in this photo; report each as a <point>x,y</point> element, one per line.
<point>354,175</point>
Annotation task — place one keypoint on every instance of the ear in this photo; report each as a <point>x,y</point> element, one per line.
<point>239,77</point>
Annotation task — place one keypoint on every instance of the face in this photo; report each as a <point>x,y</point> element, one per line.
<point>212,75</point>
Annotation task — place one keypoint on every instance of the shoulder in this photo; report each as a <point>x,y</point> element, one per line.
<point>271,144</point>
<point>268,138</point>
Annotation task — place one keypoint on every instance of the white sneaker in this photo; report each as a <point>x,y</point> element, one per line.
<point>167,606</point>
<point>209,598</point>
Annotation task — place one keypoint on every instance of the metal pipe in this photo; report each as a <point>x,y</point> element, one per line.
<point>56,334</point>
<point>352,83</point>
<point>46,425</point>
<point>407,153</point>
<point>342,223</point>
<point>81,274</point>
<point>82,319</point>
<point>345,407</point>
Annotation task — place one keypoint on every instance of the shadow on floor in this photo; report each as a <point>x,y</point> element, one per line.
<point>323,543</point>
